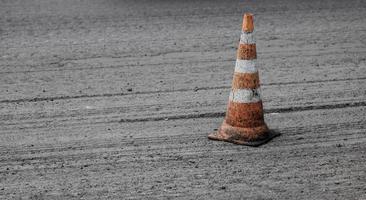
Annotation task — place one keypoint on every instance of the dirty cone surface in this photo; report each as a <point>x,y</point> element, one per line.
<point>114,99</point>
<point>244,122</point>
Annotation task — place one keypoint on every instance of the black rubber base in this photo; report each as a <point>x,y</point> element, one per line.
<point>235,140</point>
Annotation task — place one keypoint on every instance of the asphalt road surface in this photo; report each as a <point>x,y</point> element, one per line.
<point>109,99</point>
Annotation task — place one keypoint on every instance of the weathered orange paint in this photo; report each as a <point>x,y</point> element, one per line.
<point>245,80</point>
<point>244,114</point>
<point>244,122</point>
<point>248,25</point>
<point>247,52</point>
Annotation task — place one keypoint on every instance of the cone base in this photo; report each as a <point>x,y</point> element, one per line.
<point>228,134</point>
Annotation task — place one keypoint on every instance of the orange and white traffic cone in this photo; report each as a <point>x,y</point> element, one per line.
<point>244,122</point>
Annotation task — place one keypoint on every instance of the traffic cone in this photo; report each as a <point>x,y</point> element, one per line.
<point>244,122</point>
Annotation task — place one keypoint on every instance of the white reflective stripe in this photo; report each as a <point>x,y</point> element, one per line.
<point>245,95</point>
<point>245,66</point>
<point>247,38</point>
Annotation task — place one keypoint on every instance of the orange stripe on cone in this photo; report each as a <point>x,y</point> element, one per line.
<point>245,80</point>
<point>245,115</point>
<point>244,122</point>
<point>247,52</point>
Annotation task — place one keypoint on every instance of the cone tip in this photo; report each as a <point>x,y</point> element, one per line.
<point>248,14</point>
<point>248,25</point>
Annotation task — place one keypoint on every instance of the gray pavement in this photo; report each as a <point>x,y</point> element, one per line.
<point>109,99</point>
